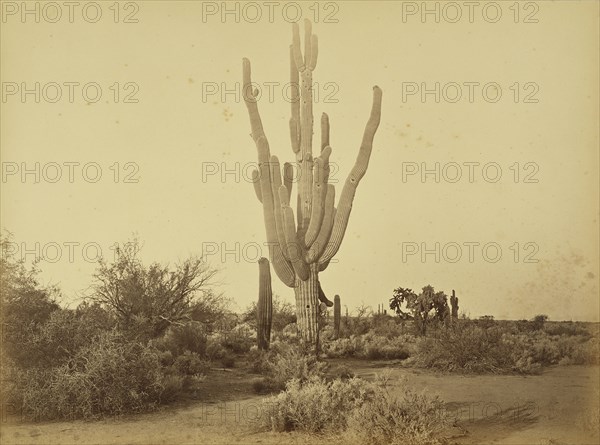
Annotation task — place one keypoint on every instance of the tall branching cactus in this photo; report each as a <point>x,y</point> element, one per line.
<point>337,316</point>
<point>264,308</point>
<point>301,248</point>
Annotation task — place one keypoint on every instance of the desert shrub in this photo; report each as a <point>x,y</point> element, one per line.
<point>284,313</point>
<point>214,348</point>
<point>568,328</point>
<point>465,348</point>
<point>503,348</point>
<point>261,386</point>
<point>190,363</point>
<point>284,363</point>
<point>110,376</point>
<point>259,360</point>
<point>228,360</point>
<point>342,372</point>
<point>412,419</point>
<point>148,299</point>
<point>166,358</point>
<point>386,350</point>
<point>326,333</point>
<point>538,321</point>
<point>371,346</point>
<point>172,386</point>
<point>536,349</point>
<point>344,347</point>
<point>357,409</point>
<point>190,336</point>
<point>315,406</point>
<point>294,364</point>
<point>289,332</point>
<point>239,340</point>
<point>387,326</point>
<point>357,325</point>
<point>587,353</point>
<point>236,339</point>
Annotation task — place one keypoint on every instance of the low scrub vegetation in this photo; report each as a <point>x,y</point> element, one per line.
<point>149,335</point>
<point>364,412</point>
<point>503,348</point>
<point>371,346</point>
<point>283,363</point>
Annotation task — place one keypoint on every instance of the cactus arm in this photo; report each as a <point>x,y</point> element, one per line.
<point>288,176</point>
<point>314,46</point>
<point>324,131</point>
<point>325,154</point>
<point>256,184</point>
<point>294,248</point>
<point>316,217</point>
<point>283,268</point>
<point>320,244</point>
<point>264,308</point>
<point>307,43</point>
<point>295,103</point>
<point>275,184</point>
<point>323,298</point>
<point>360,167</point>
<point>296,51</point>
<point>250,100</point>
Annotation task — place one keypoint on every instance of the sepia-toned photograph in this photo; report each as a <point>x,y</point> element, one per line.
<point>362,222</point>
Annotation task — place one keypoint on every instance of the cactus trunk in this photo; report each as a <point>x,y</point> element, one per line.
<point>307,308</point>
<point>264,308</point>
<point>337,315</point>
<point>303,246</point>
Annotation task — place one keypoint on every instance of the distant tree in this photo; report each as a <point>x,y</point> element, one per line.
<point>147,299</point>
<point>486,321</point>
<point>25,304</point>
<point>284,313</point>
<point>420,307</point>
<point>538,321</point>
<point>24,298</point>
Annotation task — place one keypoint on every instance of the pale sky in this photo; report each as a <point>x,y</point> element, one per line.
<point>544,126</point>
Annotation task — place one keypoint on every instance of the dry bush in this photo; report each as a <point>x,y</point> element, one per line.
<point>413,419</point>
<point>465,348</point>
<point>315,406</point>
<point>504,348</point>
<point>357,410</point>
<point>282,364</point>
<point>371,346</point>
<point>190,336</point>
<point>110,376</point>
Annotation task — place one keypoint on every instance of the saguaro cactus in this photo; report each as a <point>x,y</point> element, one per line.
<point>264,308</point>
<point>337,315</point>
<point>300,250</point>
<point>454,304</point>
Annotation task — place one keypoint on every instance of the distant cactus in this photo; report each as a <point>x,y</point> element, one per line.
<point>264,309</point>
<point>454,304</point>
<point>337,315</point>
<point>304,245</point>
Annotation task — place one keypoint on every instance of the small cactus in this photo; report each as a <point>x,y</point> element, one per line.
<point>264,309</point>
<point>337,315</point>
<point>454,304</point>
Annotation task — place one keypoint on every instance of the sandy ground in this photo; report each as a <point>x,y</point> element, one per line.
<point>561,406</point>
